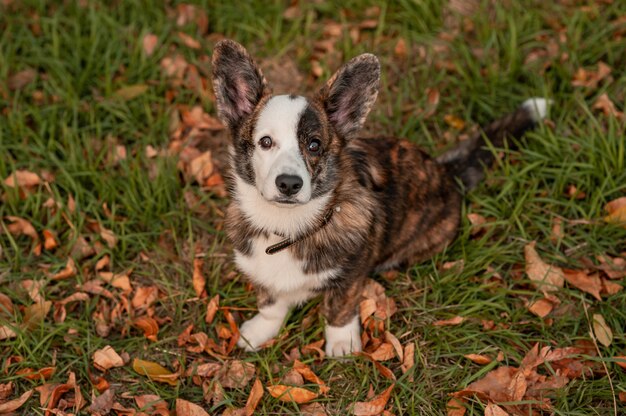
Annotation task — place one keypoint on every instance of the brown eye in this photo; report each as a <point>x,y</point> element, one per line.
<point>265,142</point>
<point>315,146</point>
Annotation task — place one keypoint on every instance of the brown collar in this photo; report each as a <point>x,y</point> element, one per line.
<point>287,242</point>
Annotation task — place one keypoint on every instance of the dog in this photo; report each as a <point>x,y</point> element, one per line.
<point>315,209</point>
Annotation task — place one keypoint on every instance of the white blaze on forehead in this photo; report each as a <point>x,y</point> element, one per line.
<point>279,121</point>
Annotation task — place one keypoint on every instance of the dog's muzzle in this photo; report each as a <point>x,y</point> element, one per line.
<point>289,185</point>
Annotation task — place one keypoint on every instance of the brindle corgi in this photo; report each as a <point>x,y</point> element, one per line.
<point>315,209</point>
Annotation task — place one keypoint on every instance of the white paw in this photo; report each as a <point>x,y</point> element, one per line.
<point>257,331</point>
<point>343,340</point>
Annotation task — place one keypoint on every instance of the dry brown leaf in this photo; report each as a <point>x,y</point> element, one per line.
<point>291,394</point>
<point>478,358</point>
<point>189,41</point>
<point>391,338</point>
<point>20,226</point>
<point>591,284</point>
<point>384,352</point>
<point>6,332</point>
<point>21,79</point>
<point>42,374</point>
<point>149,43</point>
<point>144,297</point>
<point>409,358</point>
<point>622,396</point>
<point>152,404</point>
<point>149,326</point>
<point>541,307</point>
<point>457,320</point>
<point>400,50</point>
<point>22,179</point>
<point>557,230</point>
<point>454,122</point>
<point>495,410</point>
<point>199,281</point>
<point>120,281</point>
<point>6,305</point>
<point>617,211</point>
<point>67,272</point>
<point>155,372</point>
<point>256,394</point>
<point>128,93</point>
<point>375,406</point>
<point>50,242</point>
<point>544,276</point>
<point>13,405</point>
<point>212,308</point>
<point>309,375</point>
<point>185,408</point>
<point>34,288</point>
<point>604,104</point>
<point>106,358</point>
<point>455,407</point>
<point>313,409</point>
<point>367,307</point>
<point>590,79</point>
<point>432,101</point>
<point>108,236</point>
<point>6,390</point>
<point>35,314</point>
<point>601,330</point>
<point>102,404</point>
<point>236,374</point>
<point>314,348</point>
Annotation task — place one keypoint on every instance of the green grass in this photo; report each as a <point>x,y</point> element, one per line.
<point>83,55</point>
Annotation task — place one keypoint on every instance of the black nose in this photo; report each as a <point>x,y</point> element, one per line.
<point>289,184</point>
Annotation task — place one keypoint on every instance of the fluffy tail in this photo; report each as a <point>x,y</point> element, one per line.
<point>468,160</point>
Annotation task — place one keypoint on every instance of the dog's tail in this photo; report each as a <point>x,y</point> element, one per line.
<point>468,160</point>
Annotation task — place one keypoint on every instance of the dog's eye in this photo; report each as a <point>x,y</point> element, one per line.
<point>265,142</point>
<point>315,146</point>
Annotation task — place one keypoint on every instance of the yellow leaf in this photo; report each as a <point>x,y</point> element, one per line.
<point>155,372</point>
<point>601,330</point>
<point>130,92</point>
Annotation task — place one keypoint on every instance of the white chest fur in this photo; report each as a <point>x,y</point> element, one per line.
<point>280,273</point>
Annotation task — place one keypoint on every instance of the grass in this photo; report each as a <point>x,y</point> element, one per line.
<point>481,68</point>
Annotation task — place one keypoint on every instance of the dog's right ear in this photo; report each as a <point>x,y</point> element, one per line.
<point>238,82</point>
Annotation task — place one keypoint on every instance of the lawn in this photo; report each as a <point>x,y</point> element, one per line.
<point>112,203</point>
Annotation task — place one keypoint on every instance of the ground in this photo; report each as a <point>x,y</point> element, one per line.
<point>112,206</point>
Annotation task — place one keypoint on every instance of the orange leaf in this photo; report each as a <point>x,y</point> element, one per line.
<point>50,243</point>
<point>478,358</point>
<point>384,352</point>
<point>616,210</point>
<point>22,179</point>
<point>199,281</point>
<point>148,325</point>
<point>449,322</point>
<point>384,371</point>
<point>291,394</point>
<point>621,361</point>
<point>185,408</point>
<point>309,375</point>
<point>67,272</point>
<point>255,397</point>
<point>587,283</point>
<point>455,407</point>
<point>155,372</point>
<point>454,122</point>
<point>236,374</point>
<point>375,406</point>
<point>212,309</point>
<point>106,358</point>
<point>189,41</point>
<point>41,374</point>
<point>13,405</point>
<point>494,410</point>
<point>541,307</point>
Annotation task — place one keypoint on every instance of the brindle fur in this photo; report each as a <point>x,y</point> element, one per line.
<point>397,204</point>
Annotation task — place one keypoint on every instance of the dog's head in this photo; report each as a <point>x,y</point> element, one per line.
<point>287,146</point>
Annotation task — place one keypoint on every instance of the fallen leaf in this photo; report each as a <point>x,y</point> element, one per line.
<point>494,410</point>
<point>6,390</point>
<point>6,305</point>
<point>617,211</point>
<point>41,374</point>
<point>67,272</point>
<point>152,404</point>
<point>155,372</point>
<point>21,79</point>
<point>131,91</point>
<point>108,236</point>
<point>102,404</point>
<point>541,307</point>
<point>13,405</point>
<point>375,406</point>
<point>6,332</point>
<point>20,226</point>
<point>149,43</point>
<point>314,347</point>
<point>621,361</point>
<point>601,330</point>
<point>478,358</point>
<point>409,357</point>
<point>189,41</point>
<point>106,358</point>
<point>35,314</point>
<point>212,308</point>
<point>236,374</point>
<point>291,394</point>
<point>384,352</point>
<point>148,325</point>
<point>544,276</point>
<point>185,408</point>
<point>457,320</point>
<point>391,338</point>
<point>256,394</point>
<point>198,280</point>
<point>454,122</point>
<point>22,179</point>
<point>50,242</point>
<point>309,375</point>
<point>604,104</point>
<point>591,284</point>
<point>34,289</point>
<point>313,409</point>
<point>455,407</point>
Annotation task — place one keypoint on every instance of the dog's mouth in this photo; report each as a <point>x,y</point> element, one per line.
<point>285,201</point>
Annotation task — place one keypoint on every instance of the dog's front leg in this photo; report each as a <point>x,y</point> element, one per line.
<point>343,329</point>
<point>265,324</point>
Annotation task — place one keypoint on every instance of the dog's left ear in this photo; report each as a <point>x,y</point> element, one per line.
<point>350,93</point>
<point>238,82</point>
